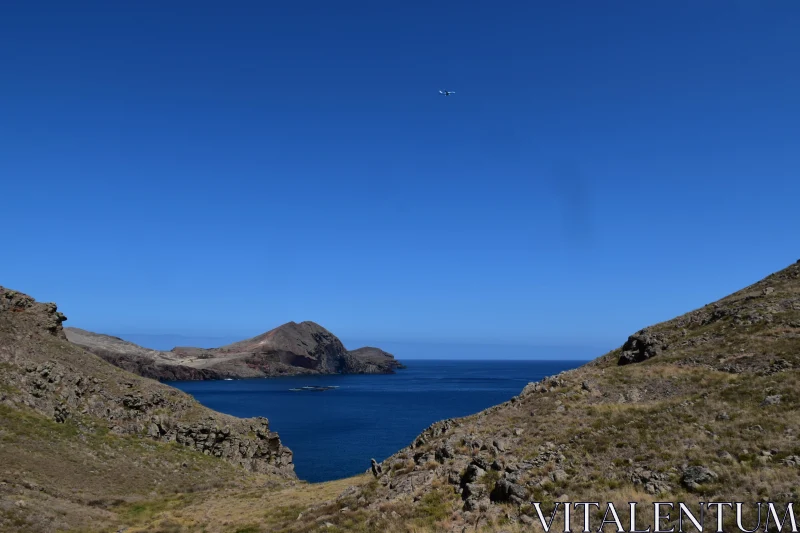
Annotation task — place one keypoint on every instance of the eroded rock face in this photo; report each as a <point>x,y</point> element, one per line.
<point>508,491</point>
<point>45,315</point>
<point>375,468</point>
<point>641,346</point>
<point>250,444</point>
<point>48,374</point>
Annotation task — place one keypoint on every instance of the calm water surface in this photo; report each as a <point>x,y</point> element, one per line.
<point>335,433</point>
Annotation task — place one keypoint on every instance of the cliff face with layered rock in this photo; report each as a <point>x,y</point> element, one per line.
<point>290,349</point>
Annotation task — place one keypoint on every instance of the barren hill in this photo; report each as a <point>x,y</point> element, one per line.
<point>304,348</point>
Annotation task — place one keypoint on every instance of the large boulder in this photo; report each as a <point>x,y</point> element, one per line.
<point>641,346</point>
<point>506,491</point>
<point>475,496</point>
<point>694,476</point>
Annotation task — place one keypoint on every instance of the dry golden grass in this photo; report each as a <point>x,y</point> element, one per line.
<point>252,509</point>
<point>75,477</point>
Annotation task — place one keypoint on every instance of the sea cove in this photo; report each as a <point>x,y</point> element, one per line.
<point>334,433</point>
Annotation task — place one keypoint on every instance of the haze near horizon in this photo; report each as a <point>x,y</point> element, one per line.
<point>406,350</point>
<point>215,171</point>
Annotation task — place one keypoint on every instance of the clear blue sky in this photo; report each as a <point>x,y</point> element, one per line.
<point>217,169</point>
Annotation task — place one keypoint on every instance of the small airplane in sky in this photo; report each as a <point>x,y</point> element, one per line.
<point>447,93</point>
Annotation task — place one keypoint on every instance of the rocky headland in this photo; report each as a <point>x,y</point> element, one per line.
<point>290,349</point>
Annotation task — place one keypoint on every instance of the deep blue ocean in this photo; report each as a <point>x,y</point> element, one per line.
<point>335,433</point>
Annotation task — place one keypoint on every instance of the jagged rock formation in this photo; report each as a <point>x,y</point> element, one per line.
<point>370,360</point>
<point>45,373</point>
<point>304,348</point>
<point>641,346</point>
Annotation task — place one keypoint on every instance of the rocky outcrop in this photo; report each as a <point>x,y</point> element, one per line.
<point>694,476</point>
<point>641,346</point>
<point>248,443</point>
<point>44,372</point>
<point>375,468</point>
<point>44,316</point>
<point>506,491</point>
<point>652,482</point>
<point>370,360</point>
<point>544,385</point>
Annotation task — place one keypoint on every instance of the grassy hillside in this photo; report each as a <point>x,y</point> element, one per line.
<point>83,441</point>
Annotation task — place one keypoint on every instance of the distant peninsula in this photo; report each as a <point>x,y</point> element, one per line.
<point>290,349</point>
